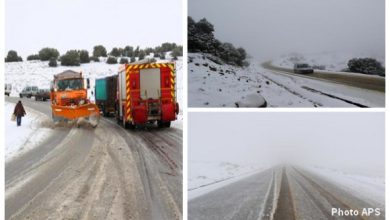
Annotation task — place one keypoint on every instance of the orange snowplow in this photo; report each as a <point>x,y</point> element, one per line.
<point>69,100</point>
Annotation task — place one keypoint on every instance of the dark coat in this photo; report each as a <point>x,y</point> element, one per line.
<point>19,110</point>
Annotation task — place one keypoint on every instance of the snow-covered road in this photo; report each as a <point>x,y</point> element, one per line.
<point>102,173</point>
<point>286,192</point>
<point>215,85</point>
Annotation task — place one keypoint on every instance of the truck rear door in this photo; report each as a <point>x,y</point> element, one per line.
<point>150,87</point>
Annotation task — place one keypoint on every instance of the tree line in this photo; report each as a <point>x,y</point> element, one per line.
<point>77,57</point>
<point>201,39</point>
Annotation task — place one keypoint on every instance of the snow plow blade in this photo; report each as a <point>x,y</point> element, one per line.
<point>75,112</point>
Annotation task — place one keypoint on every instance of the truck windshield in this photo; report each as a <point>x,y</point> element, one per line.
<point>70,84</point>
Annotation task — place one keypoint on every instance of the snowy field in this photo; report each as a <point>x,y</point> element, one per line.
<point>206,176</point>
<point>214,85</point>
<point>31,133</point>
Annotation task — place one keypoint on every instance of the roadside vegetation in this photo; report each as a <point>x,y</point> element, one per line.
<point>76,57</point>
<point>201,39</point>
<point>368,66</point>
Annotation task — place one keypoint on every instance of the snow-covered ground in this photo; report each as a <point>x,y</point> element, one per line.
<point>206,176</point>
<point>331,61</point>
<point>367,187</point>
<point>31,133</point>
<point>214,85</point>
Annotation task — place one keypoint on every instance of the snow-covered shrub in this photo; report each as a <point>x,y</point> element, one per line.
<point>128,51</point>
<point>115,52</point>
<point>112,60</point>
<point>71,58</point>
<point>94,59</point>
<point>12,56</point>
<point>53,62</point>
<point>123,60</point>
<point>177,52</point>
<point>148,50</point>
<point>33,57</point>
<point>99,51</point>
<point>48,53</point>
<point>84,56</point>
<point>366,65</point>
<point>141,54</point>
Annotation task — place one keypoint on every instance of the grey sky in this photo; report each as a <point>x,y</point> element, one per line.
<point>269,28</point>
<point>75,24</point>
<point>350,141</point>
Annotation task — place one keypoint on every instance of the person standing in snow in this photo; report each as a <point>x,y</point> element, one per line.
<point>19,112</point>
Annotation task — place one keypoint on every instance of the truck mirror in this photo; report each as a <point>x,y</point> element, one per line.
<point>88,85</point>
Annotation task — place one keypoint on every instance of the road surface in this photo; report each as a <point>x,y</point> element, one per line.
<point>375,83</point>
<point>279,193</point>
<point>102,173</point>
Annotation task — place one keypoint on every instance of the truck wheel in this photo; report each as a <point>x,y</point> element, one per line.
<point>128,125</point>
<point>162,124</point>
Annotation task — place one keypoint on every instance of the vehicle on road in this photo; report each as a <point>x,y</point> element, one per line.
<point>7,89</point>
<point>42,94</point>
<point>28,91</point>
<point>147,94</point>
<point>303,68</point>
<point>69,100</point>
<point>105,94</point>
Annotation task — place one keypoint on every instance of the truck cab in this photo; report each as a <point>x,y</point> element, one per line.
<point>69,100</point>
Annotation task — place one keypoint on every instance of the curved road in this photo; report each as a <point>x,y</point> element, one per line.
<point>279,193</point>
<point>375,83</point>
<point>102,173</point>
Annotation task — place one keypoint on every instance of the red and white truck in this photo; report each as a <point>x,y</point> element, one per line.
<point>146,94</point>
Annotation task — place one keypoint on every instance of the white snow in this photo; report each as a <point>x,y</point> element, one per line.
<point>251,100</point>
<point>206,176</point>
<point>30,134</point>
<point>368,187</point>
<point>214,85</point>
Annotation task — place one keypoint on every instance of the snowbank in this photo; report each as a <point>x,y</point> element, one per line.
<point>30,134</point>
<point>371,188</point>
<point>206,176</point>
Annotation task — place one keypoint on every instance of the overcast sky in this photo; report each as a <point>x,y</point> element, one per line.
<point>81,24</point>
<point>348,141</point>
<point>269,28</point>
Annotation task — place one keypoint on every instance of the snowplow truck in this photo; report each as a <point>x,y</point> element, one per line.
<point>69,101</point>
<point>147,94</point>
